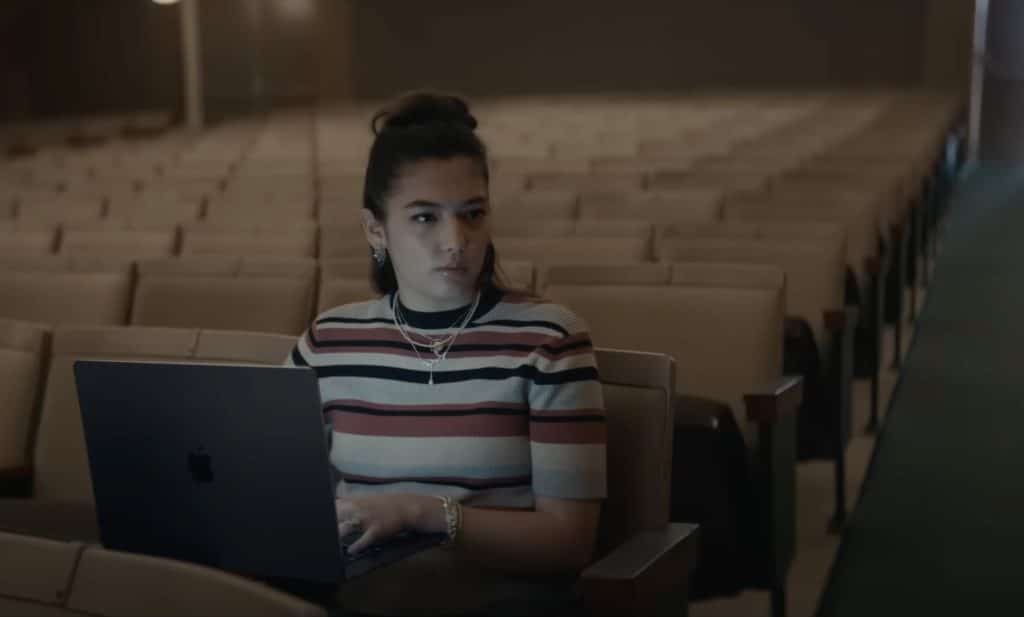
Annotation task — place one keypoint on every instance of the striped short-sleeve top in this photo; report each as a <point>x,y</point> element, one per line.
<point>515,409</point>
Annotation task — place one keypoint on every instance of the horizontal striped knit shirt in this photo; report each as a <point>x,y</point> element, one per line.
<point>515,410</point>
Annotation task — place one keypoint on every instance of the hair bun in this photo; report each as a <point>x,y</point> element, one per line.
<point>424,109</point>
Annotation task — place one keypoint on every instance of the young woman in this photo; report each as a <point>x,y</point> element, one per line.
<point>456,406</point>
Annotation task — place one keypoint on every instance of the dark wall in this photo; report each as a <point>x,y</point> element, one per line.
<point>88,56</point>
<point>81,56</point>
<point>1002,103</point>
<point>496,47</point>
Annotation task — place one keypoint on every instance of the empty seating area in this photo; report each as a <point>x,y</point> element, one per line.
<point>773,247</point>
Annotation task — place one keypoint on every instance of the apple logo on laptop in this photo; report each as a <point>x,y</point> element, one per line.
<point>200,466</point>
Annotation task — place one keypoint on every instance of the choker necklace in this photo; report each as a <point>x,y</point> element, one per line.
<point>438,347</point>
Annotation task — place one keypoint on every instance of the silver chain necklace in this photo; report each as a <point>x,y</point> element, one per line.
<point>439,348</point>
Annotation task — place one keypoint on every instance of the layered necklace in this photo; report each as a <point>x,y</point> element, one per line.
<point>438,347</point>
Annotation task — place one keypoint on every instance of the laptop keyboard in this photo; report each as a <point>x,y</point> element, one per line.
<point>382,553</point>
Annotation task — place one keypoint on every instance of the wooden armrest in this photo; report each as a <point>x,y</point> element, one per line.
<point>841,320</point>
<point>647,575</point>
<point>696,412</point>
<point>780,399</point>
<point>16,481</point>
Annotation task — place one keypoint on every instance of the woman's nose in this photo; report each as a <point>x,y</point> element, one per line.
<point>454,236</point>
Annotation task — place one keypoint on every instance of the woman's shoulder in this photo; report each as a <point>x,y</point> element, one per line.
<point>530,310</point>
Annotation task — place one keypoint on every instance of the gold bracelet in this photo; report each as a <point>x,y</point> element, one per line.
<point>452,518</point>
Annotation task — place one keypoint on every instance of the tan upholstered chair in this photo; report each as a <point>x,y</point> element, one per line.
<point>343,281</point>
<point>158,207</point>
<point>118,584</point>
<point>66,289</point>
<point>36,575</point>
<point>343,241</point>
<point>727,342</point>
<point>59,485</point>
<point>644,560</point>
<point>226,293</point>
<point>21,238</point>
<point>576,181</point>
<point>124,238</point>
<point>250,240</point>
<point>575,249</point>
<point>24,350</point>
<point>538,205</point>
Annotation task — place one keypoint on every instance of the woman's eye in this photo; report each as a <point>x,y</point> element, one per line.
<point>423,217</point>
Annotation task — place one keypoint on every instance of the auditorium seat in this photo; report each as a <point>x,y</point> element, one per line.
<point>119,584</point>
<point>64,209</point>
<point>227,293</point>
<point>298,239</point>
<point>575,249</point>
<point>66,289</point>
<point>24,349</point>
<point>643,560</point>
<point>654,207</point>
<point>343,240</point>
<point>540,205</point>
<point>22,238</point>
<point>118,238</point>
<point>156,207</point>
<point>727,343</point>
<point>36,575</point>
<point>343,281</point>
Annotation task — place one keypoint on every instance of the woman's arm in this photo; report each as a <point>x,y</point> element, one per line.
<point>558,537</point>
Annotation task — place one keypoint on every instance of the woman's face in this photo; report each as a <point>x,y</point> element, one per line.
<point>436,230</point>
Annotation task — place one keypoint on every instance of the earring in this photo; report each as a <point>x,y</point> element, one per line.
<point>379,256</point>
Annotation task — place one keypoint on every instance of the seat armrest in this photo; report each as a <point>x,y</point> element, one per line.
<point>646,575</point>
<point>16,481</point>
<point>779,399</point>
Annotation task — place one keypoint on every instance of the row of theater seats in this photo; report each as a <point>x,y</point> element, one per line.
<point>748,240</point>
<point>643,559</point>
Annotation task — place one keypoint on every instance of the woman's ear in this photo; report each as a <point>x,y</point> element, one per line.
<point>374,231</point>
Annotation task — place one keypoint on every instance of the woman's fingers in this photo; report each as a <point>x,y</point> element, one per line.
<point>365,540</point>
<point>347,527</point>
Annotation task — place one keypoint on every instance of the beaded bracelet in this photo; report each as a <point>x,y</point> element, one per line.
<point>452,518</point>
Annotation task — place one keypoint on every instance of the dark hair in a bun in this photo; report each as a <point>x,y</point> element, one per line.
<point>419,109</point>
<point>418,126</point>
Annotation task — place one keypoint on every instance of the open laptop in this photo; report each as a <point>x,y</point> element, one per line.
<point>222,465</point>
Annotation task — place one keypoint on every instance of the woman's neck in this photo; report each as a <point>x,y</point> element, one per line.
<point>422,304</point>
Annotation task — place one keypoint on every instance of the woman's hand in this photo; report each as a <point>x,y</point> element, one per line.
<point>383,516</point>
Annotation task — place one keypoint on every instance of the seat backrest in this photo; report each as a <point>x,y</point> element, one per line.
<point>575,249</point>
<point>119,238</point>
<point>604,274</point>
<point>815,270</point>
<point>726,341</point>
<point>638,391</point>
<point>343,241</point>
<point>24,347</point>
<point>549,204</point>
<point>223,293</point>
<point>519,274</point>
<point>295,240</point>
<point>156,208</point>
<point>115,584</point>
<point>36,574</point>
<point>243,347</point>
<point>60,463</point>
<point>861,220</point>
<point>654,210</point>
<point>19,238</point>
<point>561,180</point>
<point>66,289</point>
